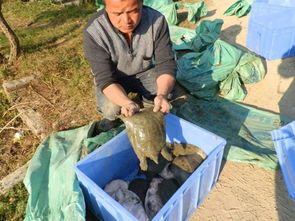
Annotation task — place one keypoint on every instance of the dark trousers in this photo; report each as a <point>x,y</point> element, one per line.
<point>144,84</point>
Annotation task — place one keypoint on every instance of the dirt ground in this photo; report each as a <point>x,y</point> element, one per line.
<point>244,191</point>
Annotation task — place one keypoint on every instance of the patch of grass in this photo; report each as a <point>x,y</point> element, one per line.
<point>13,154</point>
<point>35,38</point>
<point>75,66</point>
<point>13,204</point>
<point>19,13</point>
<point>5,115</point>
<point>52,50</point>
<point>64,14</point>
<point>40,23</point>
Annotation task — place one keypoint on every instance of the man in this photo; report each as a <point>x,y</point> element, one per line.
<point>129,50</point>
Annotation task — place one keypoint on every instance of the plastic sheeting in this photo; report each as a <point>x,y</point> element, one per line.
<point>239,8</point>
<point>54,192</point>
<point>246,129</point>
<point>169,9</point>
<point>206,33</point>
<point>217,66</point>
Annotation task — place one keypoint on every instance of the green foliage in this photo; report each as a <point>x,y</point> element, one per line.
<point>13,203</point>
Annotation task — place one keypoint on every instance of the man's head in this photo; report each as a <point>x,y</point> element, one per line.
<point>125,15</point>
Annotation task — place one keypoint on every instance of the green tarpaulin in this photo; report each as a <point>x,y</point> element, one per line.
<point>54,192</point>
<point>246,129</point>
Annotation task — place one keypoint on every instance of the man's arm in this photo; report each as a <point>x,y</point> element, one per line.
<point>165,66</point>
<point>100,62</point>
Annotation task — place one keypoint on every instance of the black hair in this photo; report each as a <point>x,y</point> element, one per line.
<point>103,1</point>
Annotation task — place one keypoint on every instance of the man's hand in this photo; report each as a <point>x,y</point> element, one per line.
<point>161,104</point>
<point>130,109</point>
<point>116,93</point>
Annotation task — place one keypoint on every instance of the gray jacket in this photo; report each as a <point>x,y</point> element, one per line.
<point>111,57</point>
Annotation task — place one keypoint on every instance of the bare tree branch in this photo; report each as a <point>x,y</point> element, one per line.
<point>12,38</point>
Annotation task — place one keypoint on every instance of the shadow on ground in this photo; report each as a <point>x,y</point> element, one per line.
<point>286,206</point>
<point>286,70</point>
<point>62,16</point>
<point>62,23</point>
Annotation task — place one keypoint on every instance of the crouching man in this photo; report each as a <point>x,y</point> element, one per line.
<point>129,50</point>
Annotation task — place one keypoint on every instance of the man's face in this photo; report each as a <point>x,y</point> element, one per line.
<point>124,14</point>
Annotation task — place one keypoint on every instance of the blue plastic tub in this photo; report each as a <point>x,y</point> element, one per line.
<point>271,28</point>
<point>284,142</point>
<point>116,160</point>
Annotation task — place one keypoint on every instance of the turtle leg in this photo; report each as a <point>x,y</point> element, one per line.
<point>166,154</point>
<point>143,163</point>
<point>154,158</point>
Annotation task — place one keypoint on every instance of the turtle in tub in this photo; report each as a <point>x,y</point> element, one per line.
<point>147,135</point>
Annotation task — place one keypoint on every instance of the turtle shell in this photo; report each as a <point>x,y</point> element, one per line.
<point>146,132</point>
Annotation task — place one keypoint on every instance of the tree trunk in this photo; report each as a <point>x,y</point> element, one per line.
<point>13,40</point>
